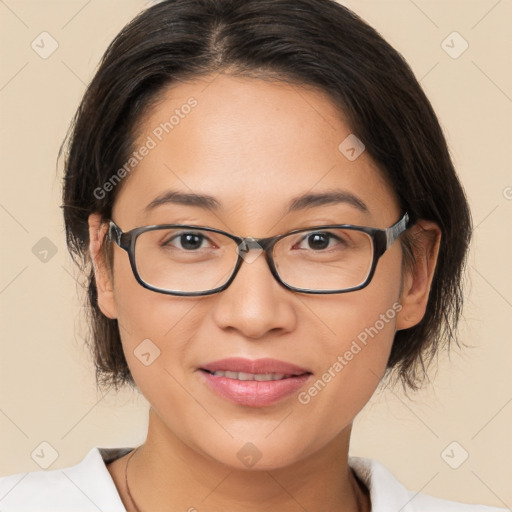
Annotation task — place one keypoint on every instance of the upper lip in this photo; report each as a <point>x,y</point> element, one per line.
<point>265,365</point>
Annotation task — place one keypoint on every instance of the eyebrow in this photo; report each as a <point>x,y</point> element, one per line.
<point>301,202</point>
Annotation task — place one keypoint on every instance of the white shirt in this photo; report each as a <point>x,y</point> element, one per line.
<point>88,487</point>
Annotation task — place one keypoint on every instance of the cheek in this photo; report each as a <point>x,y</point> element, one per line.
<point>359,328</point>
<point>353,361</point>
<point>154,327</point>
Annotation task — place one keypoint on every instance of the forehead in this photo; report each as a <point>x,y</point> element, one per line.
<point>248,142</point>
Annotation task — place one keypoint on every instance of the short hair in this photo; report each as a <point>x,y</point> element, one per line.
<point>319,43</point>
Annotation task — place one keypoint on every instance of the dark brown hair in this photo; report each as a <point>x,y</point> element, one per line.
<point>307,42</point>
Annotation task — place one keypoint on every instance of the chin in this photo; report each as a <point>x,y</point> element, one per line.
<point>259,454</point>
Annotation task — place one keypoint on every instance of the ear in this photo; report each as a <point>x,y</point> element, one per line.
<point>418,280</point>
<point>102,274</point>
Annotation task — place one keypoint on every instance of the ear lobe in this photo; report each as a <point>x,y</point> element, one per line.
<point>418,280</point>
<point>102,274</point>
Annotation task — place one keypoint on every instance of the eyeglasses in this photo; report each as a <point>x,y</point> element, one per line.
<point>180,259</point>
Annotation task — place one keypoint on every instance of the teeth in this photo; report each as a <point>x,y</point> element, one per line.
<point>250,376</point>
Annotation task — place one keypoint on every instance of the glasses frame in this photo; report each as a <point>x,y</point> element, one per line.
<point>382,239</point>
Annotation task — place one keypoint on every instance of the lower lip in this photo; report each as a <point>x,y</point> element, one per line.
<point>253,393</point>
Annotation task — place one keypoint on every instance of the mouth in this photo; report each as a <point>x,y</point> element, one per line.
<point>254,367</point>
<point>260,377</point>
<point>254,383</point>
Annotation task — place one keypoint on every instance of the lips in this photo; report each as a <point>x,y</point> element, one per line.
<point>253,383</point>
<point>251,376</point>
<point>257,366</point>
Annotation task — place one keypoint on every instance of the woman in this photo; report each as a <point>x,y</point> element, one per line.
<point>271,222</point>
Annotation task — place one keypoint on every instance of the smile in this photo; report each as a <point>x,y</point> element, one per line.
<point>253,389</point>
<point>251,376</point>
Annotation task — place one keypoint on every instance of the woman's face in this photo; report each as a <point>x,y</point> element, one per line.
<point>254,146</point>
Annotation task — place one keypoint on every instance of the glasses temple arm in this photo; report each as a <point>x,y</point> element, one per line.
<point>114,233</point>
<point>393,232</point>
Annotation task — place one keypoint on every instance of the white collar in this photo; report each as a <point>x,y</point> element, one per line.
<point>88,486</point>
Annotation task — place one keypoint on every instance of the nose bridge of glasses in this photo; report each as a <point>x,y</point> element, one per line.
<point>255,244</point>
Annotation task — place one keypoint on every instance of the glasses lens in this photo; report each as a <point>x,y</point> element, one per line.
<point>194,260</point>
<point>184,259</point>
<point>334,259</point>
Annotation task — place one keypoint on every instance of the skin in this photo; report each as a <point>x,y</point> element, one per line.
<point>253,145</point>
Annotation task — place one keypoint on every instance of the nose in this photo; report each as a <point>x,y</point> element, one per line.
<point>255,304</point>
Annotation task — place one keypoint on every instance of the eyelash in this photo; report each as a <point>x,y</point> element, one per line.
<point>305,237</point>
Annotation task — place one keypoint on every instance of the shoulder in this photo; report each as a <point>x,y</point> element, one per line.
<point>387,493</point>
<point>84,487</point>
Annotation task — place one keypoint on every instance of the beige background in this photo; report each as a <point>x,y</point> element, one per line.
<point>47,391</point>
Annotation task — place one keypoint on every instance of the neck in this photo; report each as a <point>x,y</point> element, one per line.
<point>166,474</point>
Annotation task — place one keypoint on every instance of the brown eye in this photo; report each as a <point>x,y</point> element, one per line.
<point>188,241</point>
<point>321,240</point>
